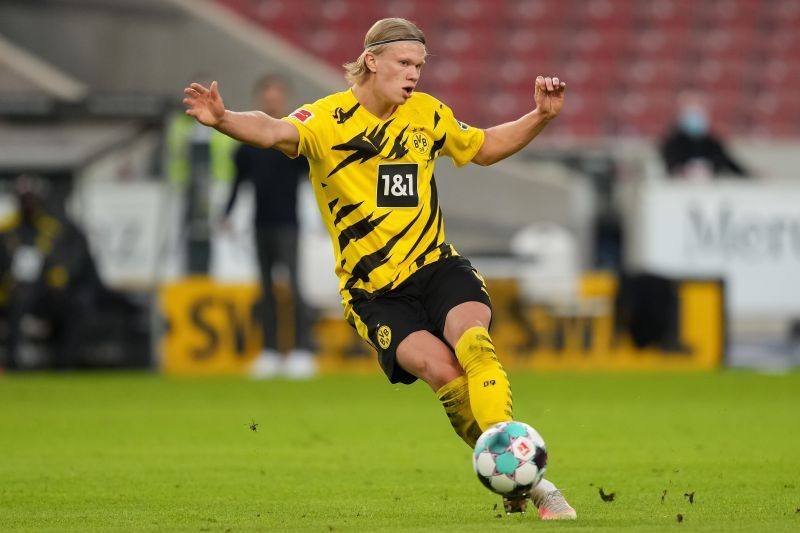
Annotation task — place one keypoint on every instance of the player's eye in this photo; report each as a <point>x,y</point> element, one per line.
<point>404,63</point>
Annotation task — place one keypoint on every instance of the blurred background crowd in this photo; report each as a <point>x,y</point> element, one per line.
<point>655,224</point>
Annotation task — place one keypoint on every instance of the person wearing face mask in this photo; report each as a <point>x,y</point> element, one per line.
<point>691,150</point>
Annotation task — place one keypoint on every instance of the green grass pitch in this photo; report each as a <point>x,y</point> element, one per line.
<point>140,452</point>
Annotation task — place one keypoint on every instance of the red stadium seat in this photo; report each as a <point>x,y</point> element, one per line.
<point>488,52</point>
<point>646,76</point>
<point>350,13</point>
<point>535,46</point>
<point>535,13</point>
<point>728,114</point>
<point>777,74</point>
<point>279,14</point>
<point>668,14</point>
<point>411,9</point>
<point>594,45</point>
<point>461,44</point>
<point>334,46</point>
<point>647,114</point>
<point>471,13</point>
<point>724,44</point>
<point>781,126</point>
<point>658,44</point>
<point>781,45</point>
<point>782,13</point>
<point>726,13</point>
<point>713,75</point>
<point>465,106</point>
<point>591,75</point>
<point>608,16</point>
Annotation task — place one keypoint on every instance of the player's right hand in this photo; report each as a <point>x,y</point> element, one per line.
<point>205,105</point>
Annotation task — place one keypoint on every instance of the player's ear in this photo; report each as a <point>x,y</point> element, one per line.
<point>371,62</point>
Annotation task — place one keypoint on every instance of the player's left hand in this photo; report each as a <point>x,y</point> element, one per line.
<point>549,96</point>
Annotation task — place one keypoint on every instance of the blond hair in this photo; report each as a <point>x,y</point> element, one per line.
<point>384,30</point>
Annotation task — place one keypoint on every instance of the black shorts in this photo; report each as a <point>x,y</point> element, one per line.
<point>420,303</point>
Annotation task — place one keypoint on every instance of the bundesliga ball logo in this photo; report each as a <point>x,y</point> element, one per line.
<point>510,458</point>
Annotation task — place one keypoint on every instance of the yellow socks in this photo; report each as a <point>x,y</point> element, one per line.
<point>489,389</point>
<point>482,397</point>
<point>455,399</point>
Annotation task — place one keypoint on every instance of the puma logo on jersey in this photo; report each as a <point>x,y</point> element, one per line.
<point>343,116</point>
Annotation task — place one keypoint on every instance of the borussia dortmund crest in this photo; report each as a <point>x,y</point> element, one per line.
<point>420,142</point>
<point>384,337</point>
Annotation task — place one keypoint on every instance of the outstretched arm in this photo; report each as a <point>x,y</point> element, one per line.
<point>509,138</point>
<point>251,127</point>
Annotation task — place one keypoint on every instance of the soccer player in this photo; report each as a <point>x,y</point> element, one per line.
<point>371,152</point>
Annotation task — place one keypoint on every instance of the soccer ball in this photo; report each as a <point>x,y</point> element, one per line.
<point>510,458</point>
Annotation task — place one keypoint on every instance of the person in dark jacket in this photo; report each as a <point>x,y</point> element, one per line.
<point>46,273</point>
<point>692,150</point>
<point>275,178</point>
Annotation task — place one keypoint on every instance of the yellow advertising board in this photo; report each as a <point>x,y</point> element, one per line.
<point>213,328</point>
<point>585,335</point>
<point>580,335</point>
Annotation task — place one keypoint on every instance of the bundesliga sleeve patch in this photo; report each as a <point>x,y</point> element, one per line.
<point>302,115</point>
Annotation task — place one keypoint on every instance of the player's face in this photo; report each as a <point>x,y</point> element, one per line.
<point>397,71</point>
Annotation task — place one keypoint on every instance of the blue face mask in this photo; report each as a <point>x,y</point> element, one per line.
<point>694,123</point>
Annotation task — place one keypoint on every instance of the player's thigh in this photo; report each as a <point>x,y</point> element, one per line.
<point>426,357</point>
<point>456,299</point>
<point>385,322</point>
<point>463,317</point>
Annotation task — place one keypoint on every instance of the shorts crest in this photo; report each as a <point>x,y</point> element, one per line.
<point>384,336</point>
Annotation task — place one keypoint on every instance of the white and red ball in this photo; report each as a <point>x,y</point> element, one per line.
<point>510,457</point>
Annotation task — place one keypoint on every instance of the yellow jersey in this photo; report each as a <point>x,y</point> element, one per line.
<point>374,184</point>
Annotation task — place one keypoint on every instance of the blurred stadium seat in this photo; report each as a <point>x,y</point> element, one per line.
<point>650,49</point>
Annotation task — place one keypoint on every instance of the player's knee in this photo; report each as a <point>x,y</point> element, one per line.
<point>429,359</point>
<point>464,317</point>
<point>445,372</point>
<point>438,372</point>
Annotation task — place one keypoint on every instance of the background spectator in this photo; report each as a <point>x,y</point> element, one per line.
<point>275,178</point>
<point>196,159</point>
<point>691,149</point>
<point>49,283</point>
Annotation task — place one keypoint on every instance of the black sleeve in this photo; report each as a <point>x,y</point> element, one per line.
<point>671,154</point>
<point>725,162</point>
<point>240,160</point>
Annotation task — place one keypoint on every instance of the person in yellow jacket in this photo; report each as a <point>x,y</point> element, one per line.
<point>198,159</point>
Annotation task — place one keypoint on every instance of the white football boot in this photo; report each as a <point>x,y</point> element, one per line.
<point>553,506</point>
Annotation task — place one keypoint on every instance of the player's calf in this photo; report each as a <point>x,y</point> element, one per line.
<point>489,388</point>
<point>455,400</point>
